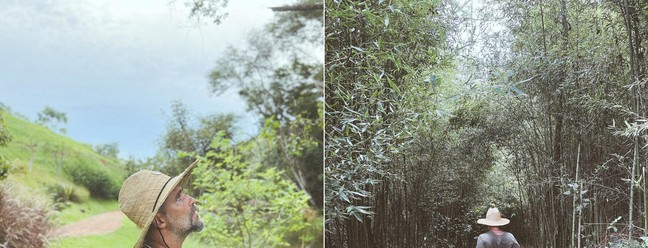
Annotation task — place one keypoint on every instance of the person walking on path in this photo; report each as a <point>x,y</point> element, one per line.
<point>156,204</point>
<point>495,237</point>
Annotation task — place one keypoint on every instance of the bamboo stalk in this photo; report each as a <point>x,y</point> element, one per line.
<point>645,200</point>
<point>632,178</point>
<point>580,198</point>
<point>574,203</point>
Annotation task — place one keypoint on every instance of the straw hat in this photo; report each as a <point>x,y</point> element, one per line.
<point>493,218</point>
<point>144,192</point>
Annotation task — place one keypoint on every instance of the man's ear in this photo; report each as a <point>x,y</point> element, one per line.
<point>160,221</point>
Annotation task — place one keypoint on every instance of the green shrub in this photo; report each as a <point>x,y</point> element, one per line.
<point>312,233</point>
<point>23,223</point>
<point>247,205</point>
<point>61,193</point>
<point>4,167</point>
<point>96,179</point>
<point>5,138</point>
<point>628,243</point>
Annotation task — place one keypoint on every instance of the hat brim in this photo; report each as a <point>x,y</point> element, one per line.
<point>173,183</point>
<point>501,222</point>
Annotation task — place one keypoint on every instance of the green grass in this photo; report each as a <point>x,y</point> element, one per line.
<point>124,237</point>
<point>77,212</point>
<point>46,145</point>
<point>35,145</point>
<point>39,178</point>
<point>33,153</point>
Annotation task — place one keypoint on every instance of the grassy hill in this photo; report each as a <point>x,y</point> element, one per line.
<point>36,145</point>
<point>43,160</point>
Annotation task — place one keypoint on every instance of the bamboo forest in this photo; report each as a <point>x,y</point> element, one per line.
<point>438,110</point>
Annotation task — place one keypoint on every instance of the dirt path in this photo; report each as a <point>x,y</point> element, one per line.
<point>96,225</point>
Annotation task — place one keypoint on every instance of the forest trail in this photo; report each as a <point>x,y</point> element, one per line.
<point>96,225</point>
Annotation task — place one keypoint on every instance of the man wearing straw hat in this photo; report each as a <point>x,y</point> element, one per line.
<point>495,237</point>
<point>156,204</point>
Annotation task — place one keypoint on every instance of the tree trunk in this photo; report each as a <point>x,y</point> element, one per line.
<point>298,7</point>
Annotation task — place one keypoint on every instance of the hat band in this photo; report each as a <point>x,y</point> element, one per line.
<point>159,194</point>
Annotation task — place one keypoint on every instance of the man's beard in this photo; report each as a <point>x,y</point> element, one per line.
<point>184,227</point>
<point>198,225</point>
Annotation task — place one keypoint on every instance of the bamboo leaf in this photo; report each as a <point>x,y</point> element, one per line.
<point>516,90</point>
<point>358,49</point>
<point>364,210</point>
<point>393,86</point>
<point>433,80</point>
<point>526,80</point>
<point>344,196</point>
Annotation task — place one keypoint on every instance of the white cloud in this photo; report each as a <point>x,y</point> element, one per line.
<point>114,66</point>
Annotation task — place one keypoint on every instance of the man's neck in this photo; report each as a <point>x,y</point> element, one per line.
<point>170,240</point>
<point>496,230</point>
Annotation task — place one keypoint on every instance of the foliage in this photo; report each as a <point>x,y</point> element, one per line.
<point>188,136</point>
<point>378,55</point>
<point>35,169</point>
<point>246,204</point>
<point>570,65</point>
<point>276,70</point>
<point>110,150</point>
<point>213,9</point>
<point>97,180</point>
<point>182,137</point>
<point>299,21</point>
<point>278,76</point>
<point>627,243</point>
<point>52,118</point>
<point>550,112</point>
<point>87,208</point>
<point>311,235</point>
<point>5,138</point>
<point>281,80</point>
<point>122,238</point>
<point>297,148</point>
<point>131,165</point>
<point>276,81</point>
<point>61,193</point>
<point>23,224</point>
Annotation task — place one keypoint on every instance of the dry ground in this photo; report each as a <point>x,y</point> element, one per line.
<point>96,225</point>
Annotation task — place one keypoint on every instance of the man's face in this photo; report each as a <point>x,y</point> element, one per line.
<point>182,213</point>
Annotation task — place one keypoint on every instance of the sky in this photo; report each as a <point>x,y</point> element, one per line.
<point>116,66</point>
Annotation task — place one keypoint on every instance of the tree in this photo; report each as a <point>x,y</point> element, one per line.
<point>299,7</point>
<point>275,77</point>
<point>52,118</point>
<point>5,138</point>
<point>247,204</point>
<point>213,9</point>
<point>545,108</point>
<point>185,136</point>
<point>382,60</point>
<point>216,9</point>
<point>296,148</point>
<point>571,64</point>
<point>281,79</point>
<point>32,146</point>
<point>58,153</point>
<point>110,150</point>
